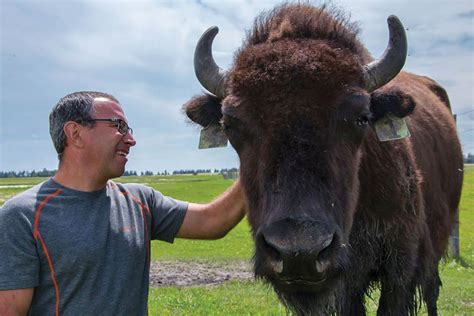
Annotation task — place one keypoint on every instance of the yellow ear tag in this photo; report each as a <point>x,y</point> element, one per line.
<point>391,127</point>
<point>212,136</point>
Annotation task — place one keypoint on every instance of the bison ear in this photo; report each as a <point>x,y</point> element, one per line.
<point>203,110</point>
<point>390,101</point>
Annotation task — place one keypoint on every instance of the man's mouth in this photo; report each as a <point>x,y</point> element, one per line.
<point>122,153</point>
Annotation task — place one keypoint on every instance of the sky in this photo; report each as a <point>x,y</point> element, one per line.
<point>142,53</point>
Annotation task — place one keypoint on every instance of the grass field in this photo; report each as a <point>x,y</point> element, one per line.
<point>254,298</point>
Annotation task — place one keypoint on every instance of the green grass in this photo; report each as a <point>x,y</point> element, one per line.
<point>7,192</point>
<point>457,293</point>
<point>201,188</point>
<point>14,181</point>
<point>254,298</point>
<point>466,216</point>
<point>237,245</point>
<point>232,298</point>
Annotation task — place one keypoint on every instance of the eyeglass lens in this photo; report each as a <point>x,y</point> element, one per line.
<point>124,128</point>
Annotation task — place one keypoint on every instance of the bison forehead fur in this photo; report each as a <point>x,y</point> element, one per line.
<point>335,212</point>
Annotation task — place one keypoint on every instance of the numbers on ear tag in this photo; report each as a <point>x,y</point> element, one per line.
<point>391,127</point>
<point>212,136</point>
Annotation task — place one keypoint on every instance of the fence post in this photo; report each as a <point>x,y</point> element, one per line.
<point>454,238</point>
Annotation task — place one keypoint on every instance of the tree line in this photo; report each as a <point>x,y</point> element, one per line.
<point>469,158</point>
<point>24,173</point>
<point>49,173</point>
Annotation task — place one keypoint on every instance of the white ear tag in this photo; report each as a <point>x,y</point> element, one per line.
<point>212,136</point>
<point>391,127</point>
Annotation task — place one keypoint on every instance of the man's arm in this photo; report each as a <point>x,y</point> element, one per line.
<point>215,219</point>
<point>15,302</point>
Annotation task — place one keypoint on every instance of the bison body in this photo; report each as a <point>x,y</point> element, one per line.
<point>334,211</point>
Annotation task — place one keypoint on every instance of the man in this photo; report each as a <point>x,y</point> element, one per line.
<point>78,243</point>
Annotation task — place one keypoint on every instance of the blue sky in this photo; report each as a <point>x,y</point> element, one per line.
<point>141,52</point>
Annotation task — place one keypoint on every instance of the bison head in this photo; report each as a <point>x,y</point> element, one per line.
<point>297,106</point>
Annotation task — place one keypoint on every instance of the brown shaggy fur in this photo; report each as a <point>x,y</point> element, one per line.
<point>311,166</point>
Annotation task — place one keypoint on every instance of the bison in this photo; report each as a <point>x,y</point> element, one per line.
<point>334,211</point>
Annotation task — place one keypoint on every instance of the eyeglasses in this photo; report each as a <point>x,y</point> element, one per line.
<point>120,124</point>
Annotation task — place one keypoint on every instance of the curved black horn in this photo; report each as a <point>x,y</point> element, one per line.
<point>381,71</point>
<point>211,76</point>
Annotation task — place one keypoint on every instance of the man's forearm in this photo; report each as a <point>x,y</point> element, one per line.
<point>229,208</point>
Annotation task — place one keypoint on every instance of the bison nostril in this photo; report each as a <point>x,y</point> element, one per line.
<point>272,251</point>
<point>322,265</point>
<point>276,265</point>
<point>327,242</point>
<point>269,248</point>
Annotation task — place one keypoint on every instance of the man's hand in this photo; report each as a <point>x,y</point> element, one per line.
<point>215,219</point>
<point>15,302</point>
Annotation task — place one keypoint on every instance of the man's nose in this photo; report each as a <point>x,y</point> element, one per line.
<point>129,139</point>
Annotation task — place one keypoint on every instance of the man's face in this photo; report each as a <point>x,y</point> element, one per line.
<point>107,148</point>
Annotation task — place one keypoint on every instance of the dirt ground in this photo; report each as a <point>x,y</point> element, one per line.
<point>189,273</point>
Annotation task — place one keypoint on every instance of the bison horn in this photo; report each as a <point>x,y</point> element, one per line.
<point>211,76</point>
<point>381,71</point>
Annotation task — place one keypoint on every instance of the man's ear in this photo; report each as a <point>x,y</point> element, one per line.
<point>73,134</point>
<point>392,101</point>
<point>204,110</point>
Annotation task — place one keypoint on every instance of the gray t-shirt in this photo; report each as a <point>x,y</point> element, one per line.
<point>85,253</point>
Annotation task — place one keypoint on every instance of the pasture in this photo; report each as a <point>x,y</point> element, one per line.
<point>252,297</point>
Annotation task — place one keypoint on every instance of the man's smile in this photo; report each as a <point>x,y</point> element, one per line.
<point>122,153</point>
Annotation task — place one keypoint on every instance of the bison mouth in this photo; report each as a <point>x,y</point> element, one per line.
<point>306,296</point>
<point>300,285</point>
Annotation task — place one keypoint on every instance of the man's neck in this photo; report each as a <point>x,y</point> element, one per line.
<point>79,179</point>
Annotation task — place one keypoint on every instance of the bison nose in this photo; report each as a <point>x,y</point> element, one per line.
<point>292,246</point>
<point>284,248</point>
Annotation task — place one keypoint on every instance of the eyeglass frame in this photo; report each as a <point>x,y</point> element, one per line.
<point>120,124</point>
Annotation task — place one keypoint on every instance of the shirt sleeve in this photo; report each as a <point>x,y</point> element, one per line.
<point>167,216</point>
<point>19,262</point>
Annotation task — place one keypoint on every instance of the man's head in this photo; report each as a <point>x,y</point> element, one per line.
<point>76,106</point>
<point>91,128</point>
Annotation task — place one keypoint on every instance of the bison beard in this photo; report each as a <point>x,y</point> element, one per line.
<point>335,212</point>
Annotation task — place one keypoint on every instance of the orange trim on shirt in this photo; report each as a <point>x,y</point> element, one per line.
<point>38,210</point>
<point>145,222</point>
<point>51,269</point>
<point>143,206</point>
<point>37,235</point>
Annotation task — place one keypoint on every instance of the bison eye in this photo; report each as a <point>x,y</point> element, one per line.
<point>363,121</point>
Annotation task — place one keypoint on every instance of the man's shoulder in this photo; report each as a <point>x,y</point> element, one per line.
<point>128,186</point>
<point>136,189</point>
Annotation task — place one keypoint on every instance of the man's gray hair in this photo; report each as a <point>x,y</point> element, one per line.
<point>75,107</point>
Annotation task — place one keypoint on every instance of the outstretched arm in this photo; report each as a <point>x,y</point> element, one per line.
<point>215,219</point>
